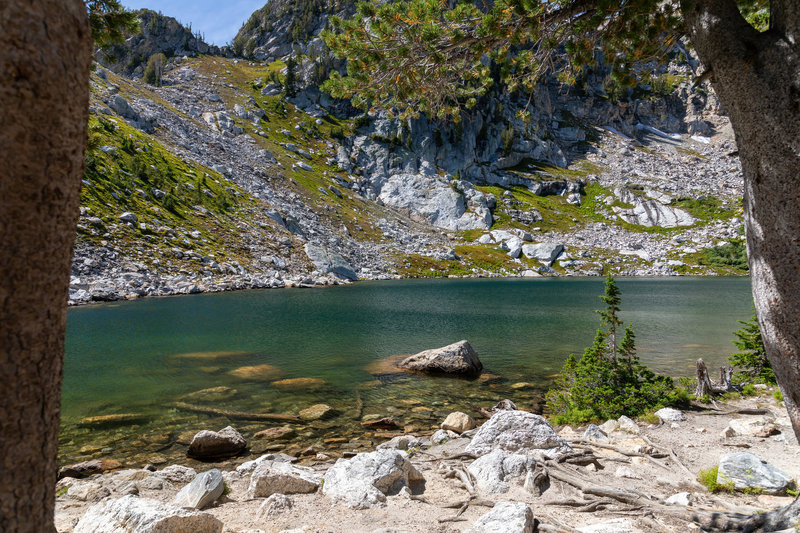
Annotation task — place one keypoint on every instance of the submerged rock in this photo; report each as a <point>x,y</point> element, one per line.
<point>263,372</point>
<point>121,419</point>
<point>299,383</point>
<point>131,514</point>
<point>207,444</point>
<point>316,412</point>
<point>456,358</point>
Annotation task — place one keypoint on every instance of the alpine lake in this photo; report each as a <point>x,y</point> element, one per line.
<point>142,377</point>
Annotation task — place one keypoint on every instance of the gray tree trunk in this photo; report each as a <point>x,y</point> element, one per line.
<point>45,49</point>
<point>757,79</point>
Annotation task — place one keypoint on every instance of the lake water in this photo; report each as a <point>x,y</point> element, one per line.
<point>139,358</point>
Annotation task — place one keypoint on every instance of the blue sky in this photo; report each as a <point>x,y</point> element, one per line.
<point>219,21</point>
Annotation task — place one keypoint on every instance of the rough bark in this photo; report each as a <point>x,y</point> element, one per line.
<point>757,79</point>
<point>45,48</point>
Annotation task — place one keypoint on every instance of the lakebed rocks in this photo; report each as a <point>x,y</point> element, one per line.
<point>457,358</point>
<point>384,485</point>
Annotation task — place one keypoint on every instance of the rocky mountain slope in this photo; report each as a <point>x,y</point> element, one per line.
<point>217,180</point>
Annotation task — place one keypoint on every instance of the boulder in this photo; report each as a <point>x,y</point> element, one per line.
<point>131,514</point>
<point>328,261</point>
<point>263,372</point>
<point>316,412</point>
<point>545,252</point>
<point>405,442</point>
<point>177,474</point>
<point>443,435</point>
<point>248,467</point>
<point>275,504</point>
<point>128,217</point>
<point>648,211</point>
<point>754,427</point>
<point>628,425</point>
<point>748,471</point>
<point>593,432</point>
<point>368,478</point>
<point>458,422</point>
<point>202,491</point>
<point>207,444</point>
<point>684,499</point>
<point>667,414</point>
<point>517,431</point>
<point>276,477</point>
<point>505,517</point>
<point>493,470</point>
<point>456,358</point>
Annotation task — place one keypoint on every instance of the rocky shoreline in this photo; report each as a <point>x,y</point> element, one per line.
<point>512,471</point>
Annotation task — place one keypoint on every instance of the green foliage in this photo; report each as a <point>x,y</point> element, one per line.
<point>778,395</point>
<point>733,254</point>
<point>609,380</point>
<point>110,21</point>
<point>708,478</point>
<point>749,390</point>
<point>752,355</point>
<point>417,57</point>
<point>290,83</point>
<point>507,139</point>
<point>361,121</point>
<point>154,70</point>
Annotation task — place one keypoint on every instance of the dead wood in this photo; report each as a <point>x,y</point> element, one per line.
<point>235,415</point>
<point>706,387</point>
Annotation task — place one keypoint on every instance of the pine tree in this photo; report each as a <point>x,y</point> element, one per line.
<point>290,83</point>
<point>154,70</point>
<point>752,355</point>
<point>611,298</point>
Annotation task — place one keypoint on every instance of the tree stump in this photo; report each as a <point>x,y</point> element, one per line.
<point>706,387</point>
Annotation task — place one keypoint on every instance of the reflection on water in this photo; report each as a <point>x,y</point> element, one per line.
<point>283,351</point>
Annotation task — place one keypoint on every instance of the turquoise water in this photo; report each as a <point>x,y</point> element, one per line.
<point>131,357</point>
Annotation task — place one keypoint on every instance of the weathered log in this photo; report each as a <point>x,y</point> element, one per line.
<point>383,423</point>
<point>235,415</point>
<point>706,387</point>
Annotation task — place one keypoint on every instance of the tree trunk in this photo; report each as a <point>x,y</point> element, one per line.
<point>757,79</point>
<point>45,50</point>
<point>706,387</point>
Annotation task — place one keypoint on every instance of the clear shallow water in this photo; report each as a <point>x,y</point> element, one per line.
<point>131,357</point>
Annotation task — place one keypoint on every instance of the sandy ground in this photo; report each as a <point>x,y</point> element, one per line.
<point>697,444</point>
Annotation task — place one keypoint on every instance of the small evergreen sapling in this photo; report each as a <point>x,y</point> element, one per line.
<point>609,380</point>
<point>752,356</point>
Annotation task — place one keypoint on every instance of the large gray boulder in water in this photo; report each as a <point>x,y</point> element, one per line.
<point>456,358</point>
<point>131,514</point>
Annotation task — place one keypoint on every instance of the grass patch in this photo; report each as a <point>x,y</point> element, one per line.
<point>708,478</point>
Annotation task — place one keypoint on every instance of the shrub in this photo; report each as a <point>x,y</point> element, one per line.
<point>507,139</point>
<point>778,395</point>
<point>749,390</point>
<point>154,69</point>
<point>752,357</point>
<point>708,478</point>
<point>609,380</point>
<point>361,121</point>
<point>733,254</point>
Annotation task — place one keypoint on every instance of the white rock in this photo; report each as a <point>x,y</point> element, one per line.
<point>177,473</point>
<point>727,433</point>
<point>545,252</point>
<point>275,504</point>
<point>626,472</point>
<point>368,478</point>
<point>202,491</point>
<point>667,414</point>
<point>593,432</point>
<point>609,426</point>
<point>517,430</point>
<point>754,427</point>
<point>442,435</point>
<point>456,358</point>
<point>131,514</point>
<point>493,470</point>
<point>271,477</point>
<point>626,424</point>
<point>505,517</point>
<point>684,499</point>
